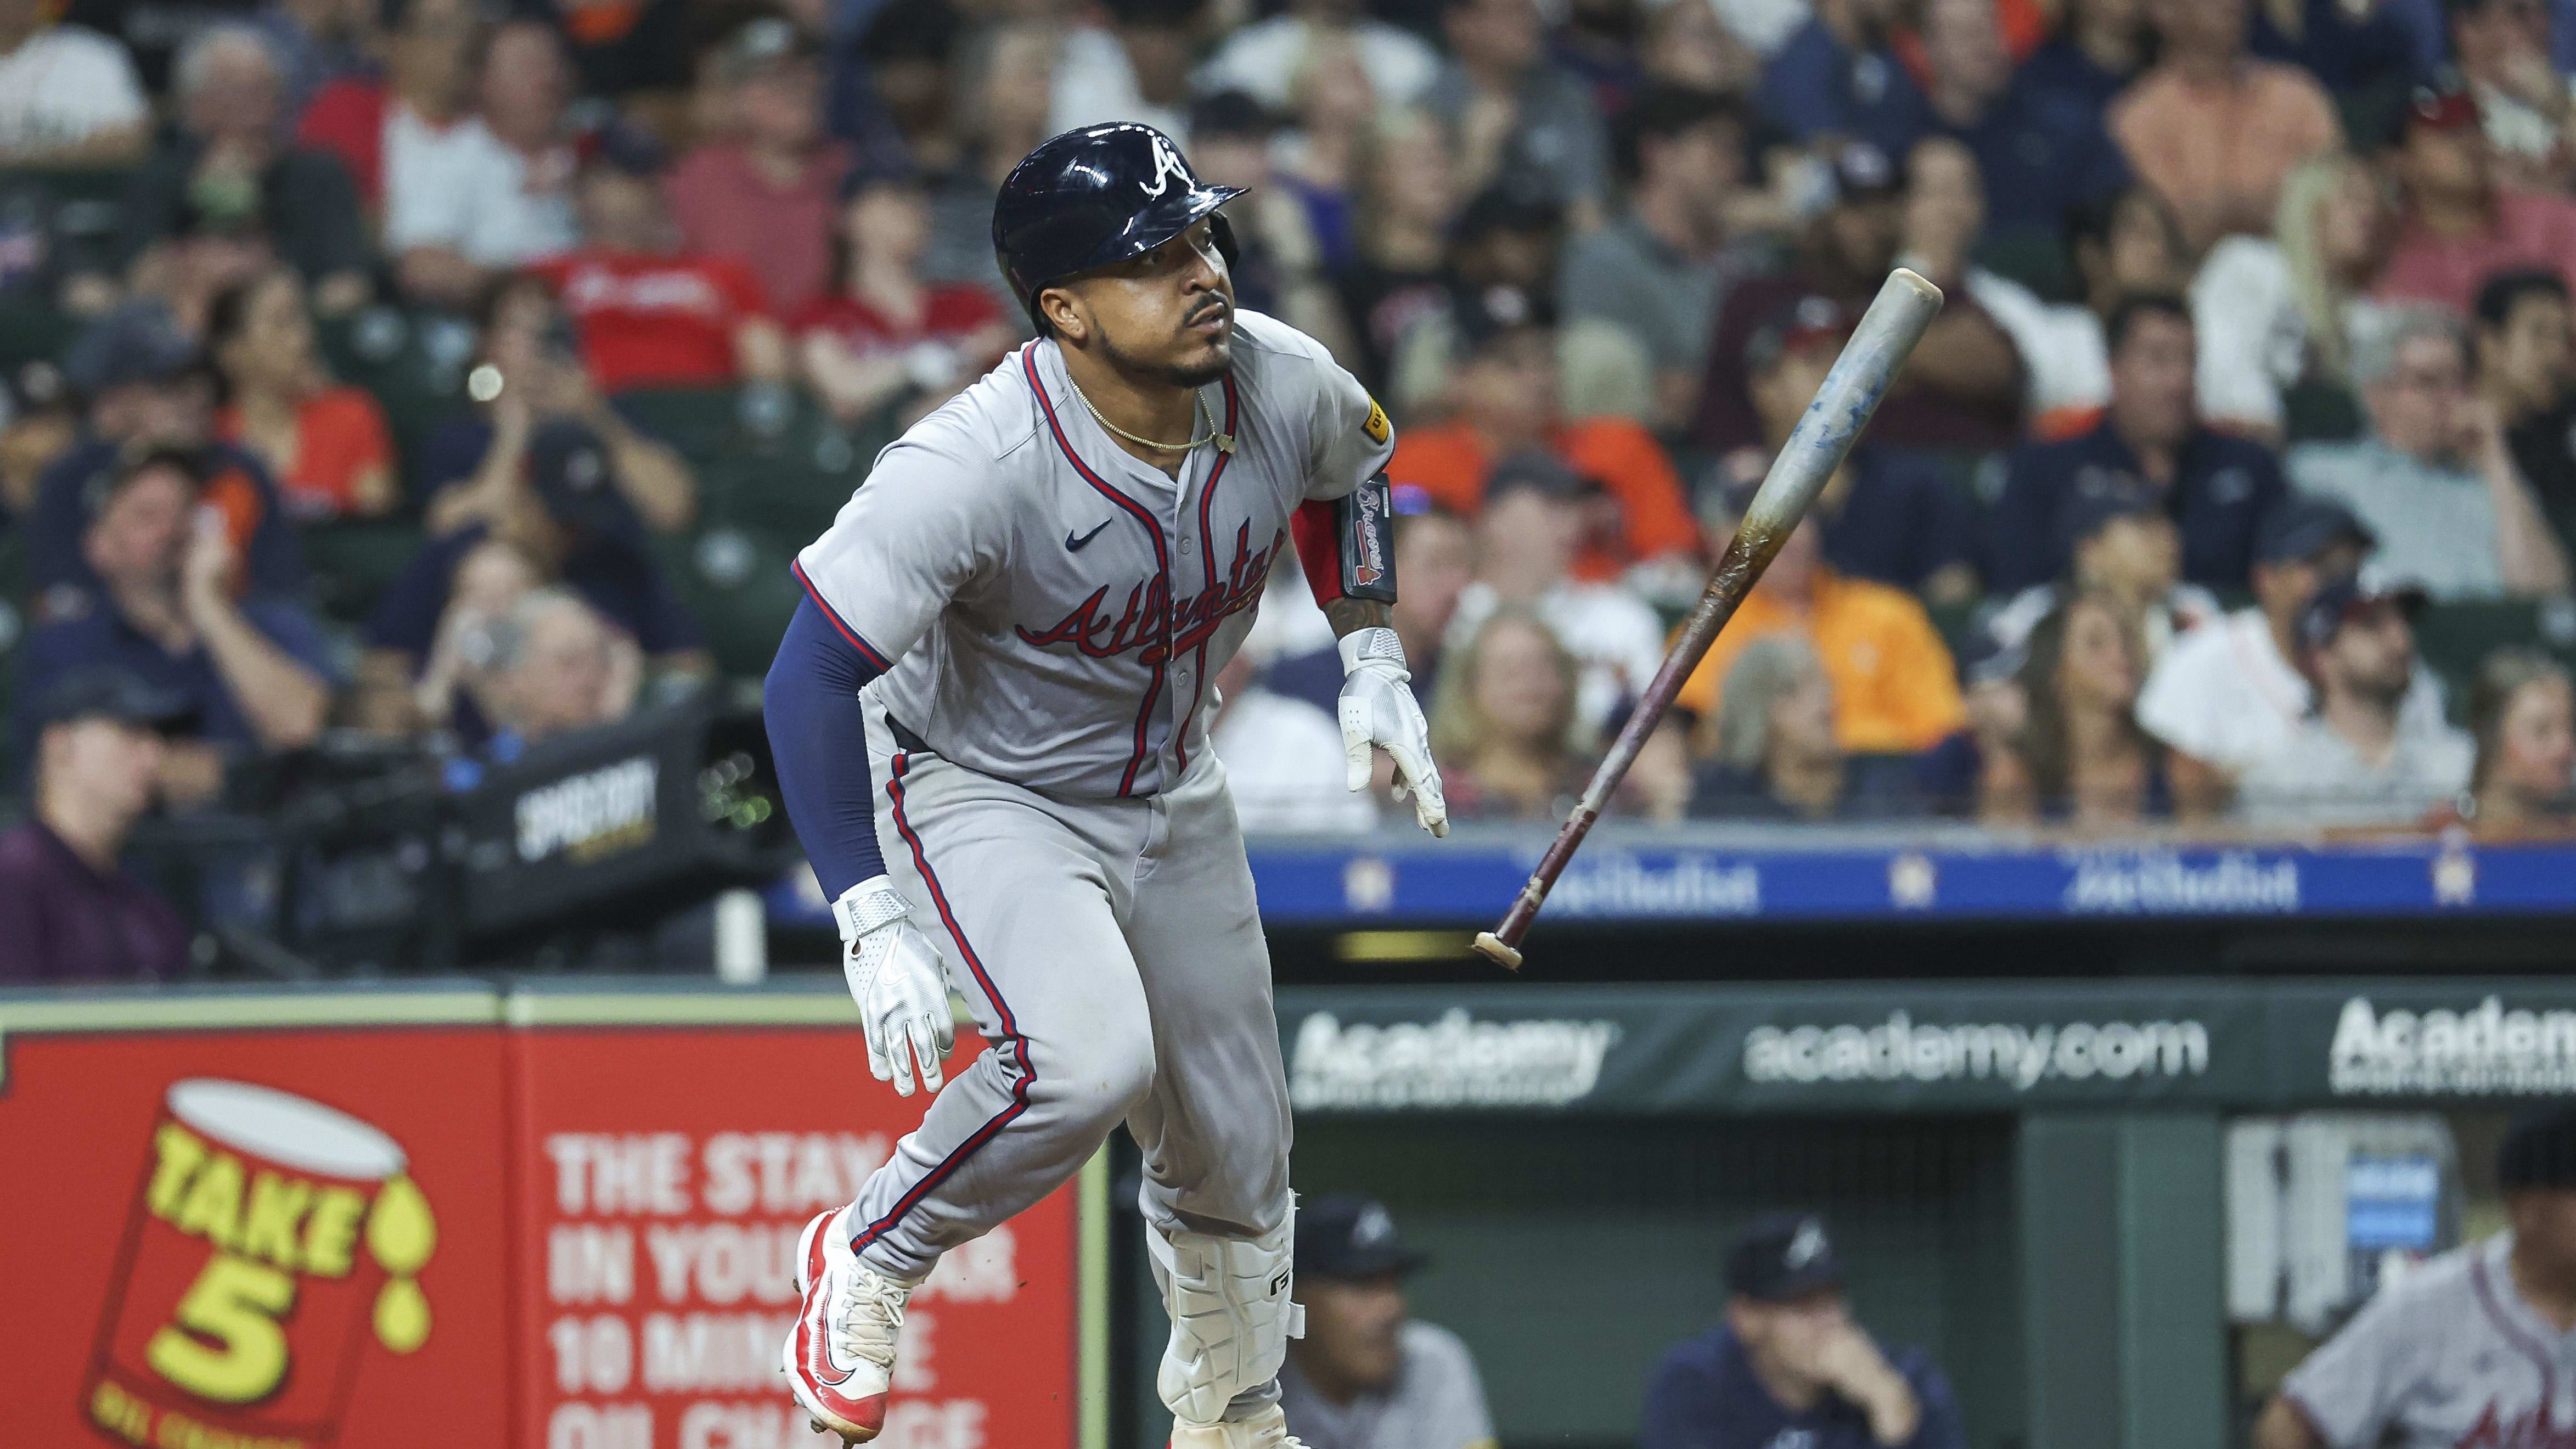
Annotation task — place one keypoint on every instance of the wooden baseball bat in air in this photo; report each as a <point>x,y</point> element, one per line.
<point>1878,347</point>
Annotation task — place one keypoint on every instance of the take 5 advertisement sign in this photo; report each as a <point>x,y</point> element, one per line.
<point>449,1218</point>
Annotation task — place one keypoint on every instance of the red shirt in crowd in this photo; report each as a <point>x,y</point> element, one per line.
<point>655,321</point>
<point>347,118</point>
<point>2530,231</point>
<point>950,313</point>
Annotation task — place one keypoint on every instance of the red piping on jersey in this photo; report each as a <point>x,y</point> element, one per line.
<point>1153,531</point>
<point>2537,1353</point>
<point>1012,1040</point>
<point>797,567</point>
<point>1207,557</point>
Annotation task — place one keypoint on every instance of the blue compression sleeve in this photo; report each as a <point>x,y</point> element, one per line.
<point>818,732</point>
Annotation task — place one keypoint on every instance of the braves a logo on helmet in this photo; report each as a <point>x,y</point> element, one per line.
<point>1167,166</point>
<point>1154,625</point>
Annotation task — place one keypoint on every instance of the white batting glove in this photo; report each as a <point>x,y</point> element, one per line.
<point>1378,709</point>
<point>896,979</point>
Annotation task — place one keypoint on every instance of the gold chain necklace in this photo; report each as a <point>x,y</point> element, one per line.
<point>1199,408</point>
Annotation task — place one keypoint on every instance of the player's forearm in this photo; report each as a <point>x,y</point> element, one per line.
<point>1349,616</point>
<point>818,735</point>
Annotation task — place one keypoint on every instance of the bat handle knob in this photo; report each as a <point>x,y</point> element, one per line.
<point>1491,947</point>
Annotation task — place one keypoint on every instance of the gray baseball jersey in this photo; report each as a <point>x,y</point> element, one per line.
<point>2450,1357</point>
<point>1049,609</point>
<point>1436,1401</point>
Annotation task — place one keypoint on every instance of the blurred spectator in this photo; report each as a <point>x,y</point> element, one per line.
<point>763,196</point>
<point>251,670</point>
<point>1367,1375</point>
<point>474,468</point>
<point>1659,268</point>
<point>1887,516</point>
<point>1943,219</point>
<point>1401,209</point>
<point>2460,225</point>
<point>1264,59</point>
<point>649,313</point>
<point>1777,758</point>
<point>326,445</point>
<point>1895,691</point>
<point>552,667</point>
<point>488,582</point>
<point>550,495</point>
<point>494,191</point>
<point>1279,261</point>
<point>1510,743</point>
<point>2364,54</point>
<point>2115,247</point>
<point>2275,312</point>
<point>412,121</point>
<point>1689,46</point>
<point>2215,130</point>
<point>1003,118</point>
<point>2353,761</point>
<point>230,169</point>
<point>1962,388</point>
<point>1503,263</point>
<point>68,96</point>
<point>1283,757</point>
<point>1790,1366</point>
<point>2527,375</point>
<point>1595,41</point>
<point>1508,401</point>
<point>2522,714</point>
<point>66,909</point>
<point>1326,142</point>
<point>1980,770</point>
<point>881,332</point>
<point>2038,151</point>
<point>894,85</point>
<point>1435,558</point>
<point>1520,121</point>
<point>2215,487</point>
<point>620,47</point>
<point>2122,547</point>
<point>143,388</point>
<point>1136,67</point>
<point>2090,764</point>
<point>2227,695</point>
<point>2450,1353</point>
<point>1503,721</point>
<point>39,425</point>
<point>319,41</point>
<point>1835,80</point>
<point>2502,50</point>
<point>2100,46</point>
<point>2436,480</point>
<point>1526,538</point>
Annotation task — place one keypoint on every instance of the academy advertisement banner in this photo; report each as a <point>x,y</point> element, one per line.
<point>1912,1046</point>
<point>449,1217</point>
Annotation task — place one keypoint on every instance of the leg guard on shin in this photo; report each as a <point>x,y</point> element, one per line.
<point>1231,1315</point>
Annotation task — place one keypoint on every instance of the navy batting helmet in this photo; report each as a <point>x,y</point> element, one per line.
<point>1094,196</point>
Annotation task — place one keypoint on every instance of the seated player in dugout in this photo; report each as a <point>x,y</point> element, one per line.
<point>990,714</point>
<point>1369,1375</point>
<point>2470,1347</point>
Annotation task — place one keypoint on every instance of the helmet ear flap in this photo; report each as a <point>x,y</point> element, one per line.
<point>1223,231</point>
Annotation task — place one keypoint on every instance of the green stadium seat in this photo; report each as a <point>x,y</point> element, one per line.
<point>2456,638</point>
<point>352,560</point>
<point>737,584</point>
<point>2320,412</point>
<point>2034,256</point>
<point>412,363</point>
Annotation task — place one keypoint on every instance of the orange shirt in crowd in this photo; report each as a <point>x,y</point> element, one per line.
<point>1895,689</point>
<point>2205,147</point>
<point>1449,462</point>
<point>340,436</point>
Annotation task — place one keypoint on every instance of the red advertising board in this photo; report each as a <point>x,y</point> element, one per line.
<point>448,1218</point>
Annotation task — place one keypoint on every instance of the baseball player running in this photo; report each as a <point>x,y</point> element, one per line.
<point>991,708</point>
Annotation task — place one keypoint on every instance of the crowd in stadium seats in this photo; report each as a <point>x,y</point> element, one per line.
<point>467,374</point>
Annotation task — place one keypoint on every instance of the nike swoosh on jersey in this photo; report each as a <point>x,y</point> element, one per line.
<point>1074,545</point>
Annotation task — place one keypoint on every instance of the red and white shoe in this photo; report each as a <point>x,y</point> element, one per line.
<point>1265,1430</point>
<point>840,1357</point>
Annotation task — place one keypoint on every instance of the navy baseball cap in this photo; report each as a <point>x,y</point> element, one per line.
<point>1782,1256</point>
<point>107,691</point>
<point>1537,471</point>
<point>138,342</point>
<point>2347,598</point>
<point>1346,1235</point>
<point>2102,496</point>
<point>2539,1150</point>
<point>2305,526</point>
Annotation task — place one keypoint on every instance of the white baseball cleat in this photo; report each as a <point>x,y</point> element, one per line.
<point>1265,1430</point>
<point>840,1356</point>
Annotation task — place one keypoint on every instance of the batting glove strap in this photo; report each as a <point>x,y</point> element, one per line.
<point>870,905</point>
<point>1378,647</point>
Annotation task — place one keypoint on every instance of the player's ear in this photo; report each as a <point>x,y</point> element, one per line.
<point>1070,319</point>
